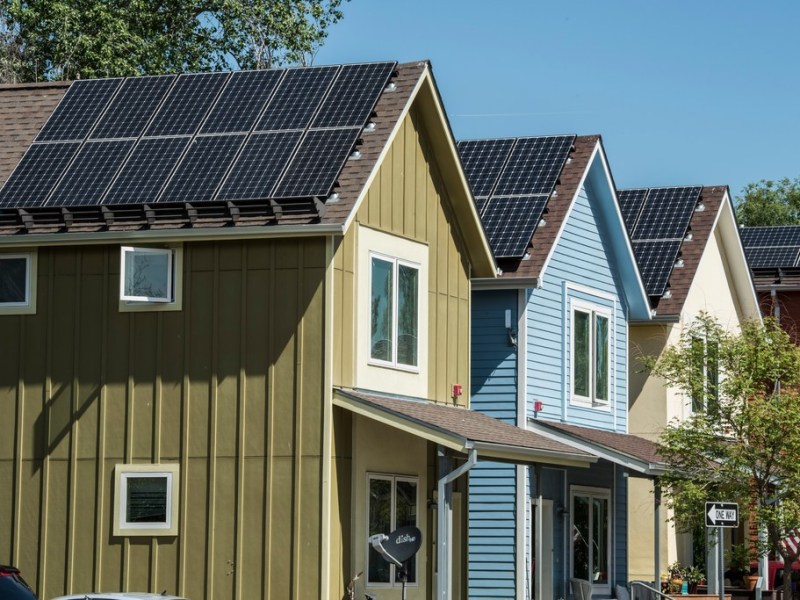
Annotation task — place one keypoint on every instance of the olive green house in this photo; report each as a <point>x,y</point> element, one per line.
<point>235,332</point>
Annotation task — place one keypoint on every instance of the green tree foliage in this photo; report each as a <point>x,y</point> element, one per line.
<point>769,203</point>
<point>68,39</point>
<point>744,446</point>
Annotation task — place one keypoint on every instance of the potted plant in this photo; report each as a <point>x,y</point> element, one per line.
<point>738,557</point>
<point>694,576</point>
<point>675,577</point>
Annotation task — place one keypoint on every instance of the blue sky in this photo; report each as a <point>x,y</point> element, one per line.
<point>683,92</point>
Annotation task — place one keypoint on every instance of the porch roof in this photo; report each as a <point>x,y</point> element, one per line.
<point>624,449</point>
<point>461,429</point>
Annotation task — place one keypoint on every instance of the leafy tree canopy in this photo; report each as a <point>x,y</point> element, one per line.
<point>68,39</point>
<point>769,203</point>
<point>744,445</point>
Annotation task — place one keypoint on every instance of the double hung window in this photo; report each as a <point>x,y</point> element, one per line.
<point>391,503</point>
<point>705,375</point>
<point>591,348</point>
<point>591,531</point>
<point>394,312</point>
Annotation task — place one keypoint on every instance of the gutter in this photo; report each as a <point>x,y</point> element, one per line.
<point>657,319</point>
<point>504,283</point>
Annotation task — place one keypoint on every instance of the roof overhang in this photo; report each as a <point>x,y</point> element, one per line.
<point>429,421</point>
<point>584,439</point>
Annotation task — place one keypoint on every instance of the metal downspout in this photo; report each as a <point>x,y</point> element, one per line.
<point>444,523</point>
<point>657,532</point>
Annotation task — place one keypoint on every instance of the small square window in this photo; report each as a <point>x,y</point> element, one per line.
<point>147,498</point>
<point>17,283</point>
<point>150,278</point>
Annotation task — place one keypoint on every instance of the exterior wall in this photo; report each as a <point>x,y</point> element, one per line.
<point>581,268</point>
<point>788,303</point>
<point>407,198</point>
<point>230,388</point>
<point>492,486</point>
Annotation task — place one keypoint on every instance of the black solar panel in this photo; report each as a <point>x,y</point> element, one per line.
<point>666,213</point>
<point>787,235</point>
<point>78,110</point>
<point>534,166</point>
<point>353,95</point>
<point>772,257</point>
<point>318,161</point>
<point>483,161</point>
<point>36,174</point>
<point>133,106</point>
<point>147,169</point>
<point>259,166</point>
<point>241,101</point>
<point>202,169</point>
<point>656,260</point>
<point>510,222</point>
<point>87,178</point>
<point>187,104</point>
<point>297,98</point>
<point>630,204</point>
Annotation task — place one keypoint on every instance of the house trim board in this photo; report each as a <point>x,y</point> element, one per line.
<point>327,420</point>
<point>522,422</point>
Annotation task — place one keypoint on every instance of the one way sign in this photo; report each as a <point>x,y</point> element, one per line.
<point>722,514</point>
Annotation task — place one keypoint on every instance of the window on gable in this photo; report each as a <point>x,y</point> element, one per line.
<point>17,282</point>
<point>591,362</point>
<point>394,312</point>
<point>391,503</point>
<point>147,500</point>
<point>705,375</point>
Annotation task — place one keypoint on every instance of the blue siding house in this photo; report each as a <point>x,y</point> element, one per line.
<point>550,354</point>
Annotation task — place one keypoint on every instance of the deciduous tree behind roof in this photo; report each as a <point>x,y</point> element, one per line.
<point>769,203</point>
<point>68,39</point>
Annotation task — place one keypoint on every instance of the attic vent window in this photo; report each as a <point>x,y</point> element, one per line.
<point>147,274</point>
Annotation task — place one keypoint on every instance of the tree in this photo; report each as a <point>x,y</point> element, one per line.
<point>745,443</point>
<point>769,203</point>
<point>68,39</point>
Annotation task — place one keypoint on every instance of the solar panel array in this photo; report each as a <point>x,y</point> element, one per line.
<point>658,220</point>
<point>772,247</point>
<point>511,180</point>
<point>249,135</point>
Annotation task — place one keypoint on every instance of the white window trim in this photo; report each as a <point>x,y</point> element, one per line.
<point>593,492</point>
<point>592,310</point>
<point>689,406</point>
<point>393,479</point>
<point>396,264</point>
<point>28,306</point>
<point>145,304</point>
<point>121,474</point>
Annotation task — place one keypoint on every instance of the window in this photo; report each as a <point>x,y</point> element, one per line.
<point>591,531</point>
<point>150,278</point>
<point>391,503</point>
<point>394,311</point>
<point>17,283</point>
<point>147,500</point>
<point>705,375</point>
<point>590,351</point>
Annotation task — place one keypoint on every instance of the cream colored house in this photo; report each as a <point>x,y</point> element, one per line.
<point>696,264</point>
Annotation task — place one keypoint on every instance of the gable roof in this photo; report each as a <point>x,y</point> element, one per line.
<point>281,211</point>
<point>683,218</point>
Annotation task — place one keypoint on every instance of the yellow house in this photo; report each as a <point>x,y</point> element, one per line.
<point>234,329</point>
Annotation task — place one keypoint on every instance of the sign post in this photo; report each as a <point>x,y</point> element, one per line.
<point>721,515</point>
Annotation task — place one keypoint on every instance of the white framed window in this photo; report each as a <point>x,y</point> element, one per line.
<point>18,283</point>
<point>394,311</point>
<point>146,500</point>
<point>392,502</point>
<point>150,278</point>
<point>591,355</point>
<point>590,524</point>
<point>705,375</point>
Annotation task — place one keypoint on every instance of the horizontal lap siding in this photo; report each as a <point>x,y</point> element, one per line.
<point>216,388</point>
<point>492,486</point>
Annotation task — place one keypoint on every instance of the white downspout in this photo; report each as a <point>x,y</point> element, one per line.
<point>444,584</point>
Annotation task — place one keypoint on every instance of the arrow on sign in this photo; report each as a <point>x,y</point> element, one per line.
<point>723,514</point>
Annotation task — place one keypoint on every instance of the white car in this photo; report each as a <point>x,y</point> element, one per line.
<point>119,596</point>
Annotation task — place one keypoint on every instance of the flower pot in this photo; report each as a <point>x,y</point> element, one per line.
<point>750,581</point>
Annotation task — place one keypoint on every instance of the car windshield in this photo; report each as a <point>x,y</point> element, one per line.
<point>13,587</point>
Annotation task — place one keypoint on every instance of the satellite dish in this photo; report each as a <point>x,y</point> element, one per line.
<point>397,548</point>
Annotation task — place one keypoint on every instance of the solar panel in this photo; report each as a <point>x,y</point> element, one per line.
<point>656,260</point>
<point>130,111</point>
<point>36,174</point>
<point>78,110</point>
<point>666,213</point>
<point>318,161</point>
<point>534,165</point>
<point>259,166</point>
<point>187,104</point>
<point>787,235</point>
<point>86,179</point>
<point>241,101</point>
<point>630,204</point>
<point>147,169</point>
<point>772,257</point>
<point>483,161</point>
<point>353,95</point>
<point>202,169</point>
<point>297,98</point>
<point>510,222</point>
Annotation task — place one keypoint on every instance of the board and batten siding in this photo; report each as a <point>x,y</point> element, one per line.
<point>408,198</point>
<point>580,268</point>
<point>492,486</point>
<point>230,388</point>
